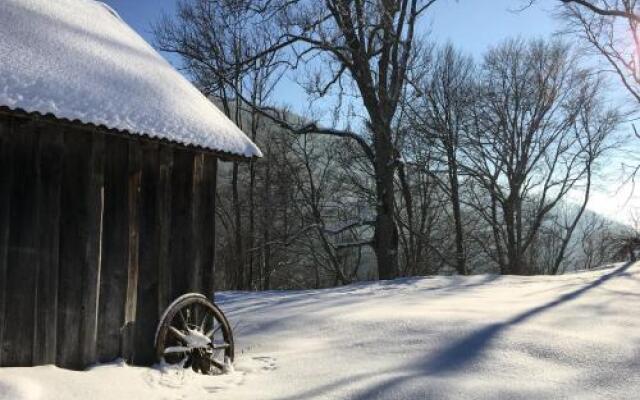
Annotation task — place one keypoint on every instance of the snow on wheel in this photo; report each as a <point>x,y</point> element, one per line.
<point>193,332</point>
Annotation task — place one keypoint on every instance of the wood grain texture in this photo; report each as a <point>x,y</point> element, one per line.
<point>133,266</point>
<point>98,235</point>
<point>115,250</point>
<point>78,221</point>
<point>198,225</point>
<point>92,243</point>
<point>181,222</point>
<point>147,310</point>
<point>22,256</point>
<point>164,200</point>
<point>6,178</point>
<point>50,164</point>
<point>209,229</point>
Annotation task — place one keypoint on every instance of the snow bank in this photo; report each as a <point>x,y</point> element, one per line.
<point>483,337</point>
<point>77,60</point>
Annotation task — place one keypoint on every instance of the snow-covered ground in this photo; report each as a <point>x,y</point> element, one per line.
<point>482,337</point>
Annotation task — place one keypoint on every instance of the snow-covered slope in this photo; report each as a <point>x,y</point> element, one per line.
<point>484,337</point>
<point>77,60</point>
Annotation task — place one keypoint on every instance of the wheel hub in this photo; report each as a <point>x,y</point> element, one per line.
<point>195,339</point>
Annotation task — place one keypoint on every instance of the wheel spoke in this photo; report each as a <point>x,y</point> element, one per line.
<point>218,346</point>
<point>217,364</point>
<point>177,333</point>
<point>204,323</point>
<point>184,321</point>
<point>176,349</point>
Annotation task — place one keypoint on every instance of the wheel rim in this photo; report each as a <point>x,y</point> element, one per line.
<point>195,334</point>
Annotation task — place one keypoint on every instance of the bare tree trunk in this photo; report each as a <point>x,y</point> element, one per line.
<point>495,228</point>
<point>252,221</point>
<point>411,246</point>
<point>513,257</point>
<point>252,203</point>
<point>461,266</point>
<point>385,243</point>
<point>266,229</point>
<point>440,117</point>
<point>237,232</point>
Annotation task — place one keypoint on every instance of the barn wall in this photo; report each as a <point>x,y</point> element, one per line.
<point>98,234</point>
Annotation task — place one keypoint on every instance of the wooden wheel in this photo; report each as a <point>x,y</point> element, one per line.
<point>195,333</point>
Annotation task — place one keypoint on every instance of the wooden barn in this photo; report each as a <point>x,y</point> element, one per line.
<point>108,161</point>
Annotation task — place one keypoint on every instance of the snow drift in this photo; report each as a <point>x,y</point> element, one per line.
<point>482,337</point>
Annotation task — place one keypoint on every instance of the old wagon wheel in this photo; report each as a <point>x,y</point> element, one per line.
<point>195,333</point>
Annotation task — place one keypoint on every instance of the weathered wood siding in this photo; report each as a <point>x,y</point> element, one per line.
<point>22,252</point>
<point>98,234</point>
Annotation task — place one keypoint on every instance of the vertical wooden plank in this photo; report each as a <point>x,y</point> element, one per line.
<point>115,249</point>
<point>212,218</point>
<point>209,229</point>
<point>6,175</point>
<point>80,241</point>
<point>93,250</point>
<point>165,160</point>
<point>22,255</point>
<point>49,176</point>
<point>147,303</point>
<point>70,272</point>
<point>199,251</point>
<point>135,176</point>
<point>181,221</point>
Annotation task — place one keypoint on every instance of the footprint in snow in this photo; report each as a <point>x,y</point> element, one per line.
<point>176,378</point>
<point>166,376</point>
<point>266,363</point>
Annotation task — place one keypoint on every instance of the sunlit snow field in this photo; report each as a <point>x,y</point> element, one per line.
<point>481,337</point>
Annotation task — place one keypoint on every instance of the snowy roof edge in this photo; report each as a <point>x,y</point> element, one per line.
<point>76,123</point>
<point>143,94</point>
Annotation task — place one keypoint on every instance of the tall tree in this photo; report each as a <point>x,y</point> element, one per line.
<point>611,30</point>
<point>210,37</point>
<point>368,46</point>
<point>441,116</point>
<point>540,127</point>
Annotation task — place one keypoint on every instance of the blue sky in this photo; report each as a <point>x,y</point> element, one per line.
<point>473,26</point>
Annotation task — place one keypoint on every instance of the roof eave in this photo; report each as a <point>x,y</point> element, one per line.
<point>51,118</point>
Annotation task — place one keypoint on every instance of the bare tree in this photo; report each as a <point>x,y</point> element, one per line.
<point>368,46</point>
<point>332,226</point>
<point>539,130</point>
<point>627,243</point>
<point>610,29</point>
<point>597,241</point>
<point>441,115</point>
<point>423,226</point>
<point>210,36</point>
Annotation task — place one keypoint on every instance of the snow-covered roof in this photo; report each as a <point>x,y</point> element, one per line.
<point>78,60</point>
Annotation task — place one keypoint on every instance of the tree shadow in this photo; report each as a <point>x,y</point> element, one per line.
<point>457,356</point>
<point>291,300</point>
<point>461,353</point>
<point>464,351</point>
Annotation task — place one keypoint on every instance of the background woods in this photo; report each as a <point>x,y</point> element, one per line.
<point>413,157</point>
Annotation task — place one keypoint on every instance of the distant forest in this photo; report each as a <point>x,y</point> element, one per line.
<point>427,162</point>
